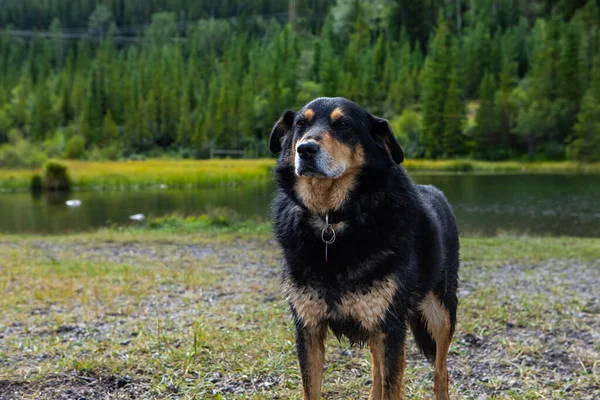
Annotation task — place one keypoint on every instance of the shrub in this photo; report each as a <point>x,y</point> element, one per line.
<point>54,146</point>
<point>5,124</point>
<point>408,129</point>
<point>75,147</point>
<point>463,166</point>
<point>112,152</point>
<point>36,183</point>
<point>550,152</point>
<point>222,216</point>
<point>19,153</point>
<point>56,176</point>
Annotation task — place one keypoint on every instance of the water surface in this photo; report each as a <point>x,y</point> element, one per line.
<point>483,204</point>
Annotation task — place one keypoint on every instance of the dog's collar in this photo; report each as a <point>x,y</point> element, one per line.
<point>331,218</point>
<point>348,212</point>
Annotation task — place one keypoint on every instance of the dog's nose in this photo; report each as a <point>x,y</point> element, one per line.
<point>307,150</point>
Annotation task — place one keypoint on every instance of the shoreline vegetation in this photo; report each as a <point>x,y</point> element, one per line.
<point>112,175</point>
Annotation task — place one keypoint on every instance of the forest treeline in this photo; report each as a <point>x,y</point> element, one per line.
<point>486,79</point>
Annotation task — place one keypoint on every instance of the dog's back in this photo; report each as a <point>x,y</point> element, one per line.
<point>439,269</point>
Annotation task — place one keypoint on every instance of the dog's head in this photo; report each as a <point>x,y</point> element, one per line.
<point>331,137</point>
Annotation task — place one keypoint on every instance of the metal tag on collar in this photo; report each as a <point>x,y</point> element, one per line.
<point>327,228</point>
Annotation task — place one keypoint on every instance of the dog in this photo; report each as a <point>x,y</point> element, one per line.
<point>366,251</point>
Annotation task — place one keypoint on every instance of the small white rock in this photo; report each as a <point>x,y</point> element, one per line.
<point>137,217</point>
<point>73,203</point>
<point>163,186</point>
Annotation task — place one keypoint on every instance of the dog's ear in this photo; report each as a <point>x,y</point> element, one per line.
<point>383,130</point>
<point>279,130</point>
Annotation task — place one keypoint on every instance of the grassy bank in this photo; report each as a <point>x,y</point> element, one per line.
<point>542,167</point>
<point>203,173</point>
<point>159,312</point>
<point>130,174</point>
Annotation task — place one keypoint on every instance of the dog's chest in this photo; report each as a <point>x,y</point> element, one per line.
<point>365,306</point>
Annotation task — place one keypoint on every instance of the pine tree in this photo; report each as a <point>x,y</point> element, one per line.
<point>486,120</point>
<point>58,45</point>
<point>585,145</point>
<point>379,57</point>
<point>248,117</point>
<point>95,106</point>
<point>453,139</point>
<point>508,79</point>
<point>330,73</point>
<point>110,131</point>
<point>200,137</point>
<point>42,118</point>
<point>388,73</point>
<point>585,138</point>
<point>185,124</point>
<point>316,62</point>
<point>539,118</point>
<point>66,106</point>
<point>143,137</point>
<point>568,67</point>
<point>435,82</point>
<point>150,114</point>
<point>476,53</point>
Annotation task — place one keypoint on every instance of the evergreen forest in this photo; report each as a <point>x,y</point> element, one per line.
<point>127,79</point>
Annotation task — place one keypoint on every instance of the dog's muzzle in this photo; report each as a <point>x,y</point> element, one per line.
<point>309,161</point>
<point>315,162</point>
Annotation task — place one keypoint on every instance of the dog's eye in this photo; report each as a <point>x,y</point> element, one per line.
<point>301,123</point>
<point>343,124</point>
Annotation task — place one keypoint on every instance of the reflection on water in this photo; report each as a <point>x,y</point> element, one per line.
<point>533,204</point>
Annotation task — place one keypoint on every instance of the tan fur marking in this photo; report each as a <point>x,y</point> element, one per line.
<point>377,352</point>
<point>440,373</point>
<point>311,308</point>
<point>336,114</point>
<point>315,352</point>
<point>380,390</point>
<point>397,392</point>
<point>369,308</point>
<point>308,114</point>
<point>341,153</point>
<point>437,320</point>
<point>435,316</point>
<point>321,195</point>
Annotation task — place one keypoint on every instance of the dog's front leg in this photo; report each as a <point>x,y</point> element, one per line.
<point>310,347</point>
<point>387,352</point>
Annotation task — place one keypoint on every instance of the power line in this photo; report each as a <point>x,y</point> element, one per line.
<point>68,36</point>
<point>136,29</point>
<point>182,25</point>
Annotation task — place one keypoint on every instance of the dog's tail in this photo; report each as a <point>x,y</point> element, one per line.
<point>423,338</point>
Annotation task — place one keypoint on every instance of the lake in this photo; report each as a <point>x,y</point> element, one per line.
<point>483,204</point>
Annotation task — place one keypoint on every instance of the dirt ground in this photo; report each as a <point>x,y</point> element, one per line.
<point>122,317</point>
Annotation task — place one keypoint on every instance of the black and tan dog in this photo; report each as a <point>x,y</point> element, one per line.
<point>366,251</point>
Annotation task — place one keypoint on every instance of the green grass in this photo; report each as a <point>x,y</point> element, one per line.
<point>191,308</point>
<point>131,174</point>
<point>204,173</point>
<point>545,167</point>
